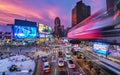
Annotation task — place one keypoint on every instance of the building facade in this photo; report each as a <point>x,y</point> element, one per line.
<point>111,4</point>
<point>80,12</point>
<point>6,33</point>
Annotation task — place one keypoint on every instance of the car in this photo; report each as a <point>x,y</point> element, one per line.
<point>60,62</point>
<point>67,51</point>
<point>60,54</point>
<point>13,68</point>
<point>62,71</point>
<point>44,58</point>
<point>68,56</point>
<point>77,73</point>
<point>46,67</point>
<point>71,64</point>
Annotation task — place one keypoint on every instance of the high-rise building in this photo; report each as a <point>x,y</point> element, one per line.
<point>111,6</point>
<point>74,16</point>
<point>80,12</point>
<point>62,30</point>
<point>57,27</point>
<point>57,21</point>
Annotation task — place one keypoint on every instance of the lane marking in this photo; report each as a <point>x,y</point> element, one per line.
<point>55,71</point>
<point>67,71</point>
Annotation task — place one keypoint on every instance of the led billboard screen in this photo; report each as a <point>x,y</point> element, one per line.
<point>22,32</point>
<point>44,29</point>
<point>100,47</point>
<point>41,28</point>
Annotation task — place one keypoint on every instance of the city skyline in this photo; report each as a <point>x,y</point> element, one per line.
<point>42,11</point>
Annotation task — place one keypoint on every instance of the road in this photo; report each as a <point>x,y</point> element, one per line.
<point>53,58</point>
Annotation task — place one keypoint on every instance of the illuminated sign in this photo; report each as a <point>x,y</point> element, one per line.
<point>22,32</point>
<point>100,47</point>
<point>41,28</point>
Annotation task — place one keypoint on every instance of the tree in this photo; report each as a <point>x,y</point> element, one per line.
<point>117,13</point>
<point>90,64</point>
<point>118,5</point>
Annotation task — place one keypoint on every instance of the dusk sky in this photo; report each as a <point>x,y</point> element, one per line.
<point>43,11</point>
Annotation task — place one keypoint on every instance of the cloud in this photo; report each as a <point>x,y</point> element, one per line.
<point>42,11</point>
<point>19,9</point>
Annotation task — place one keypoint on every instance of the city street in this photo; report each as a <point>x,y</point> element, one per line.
<point>52,54</point>
<point>53,59</point>
<point>59,37</point>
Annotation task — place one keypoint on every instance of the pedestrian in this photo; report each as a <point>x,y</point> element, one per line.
<point>3,73</point>
<point>30,70</point>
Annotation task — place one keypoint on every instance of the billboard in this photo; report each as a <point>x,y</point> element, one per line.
<point>44,29</point>
<point>41,28</point>
<point>21,32</point>
<point>100,47</point>
<point>49,30</point>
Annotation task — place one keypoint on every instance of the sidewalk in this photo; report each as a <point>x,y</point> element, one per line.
<point>23,63</point>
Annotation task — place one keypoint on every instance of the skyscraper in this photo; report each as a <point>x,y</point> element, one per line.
<point>74,16</point>
<point>57,27</point>
<point>57,21</point>
<point>111,6</point>
<point>80,12</point>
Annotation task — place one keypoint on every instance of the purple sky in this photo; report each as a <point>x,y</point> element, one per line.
<point>43,11</point>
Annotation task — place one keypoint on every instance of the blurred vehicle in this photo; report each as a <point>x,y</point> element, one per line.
<point>46,67</point>
<point>44,58</point>
<point>68,56</point>
<point>62,71</point>
<point>67,51</point>
<point>13,68</point>
<point>60,54</point>
<point>60,62</point>
<point>11,54</point>
<point>56,46</point>
<point>77,73</point>
<point>1,53</point>
<point>70,64</point>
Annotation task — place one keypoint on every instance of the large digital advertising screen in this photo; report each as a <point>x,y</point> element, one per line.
<point>21,32</point>
<point>44,29</point>
<point>100,47</point>
<point>41,28</point>
<point>50,30</point>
